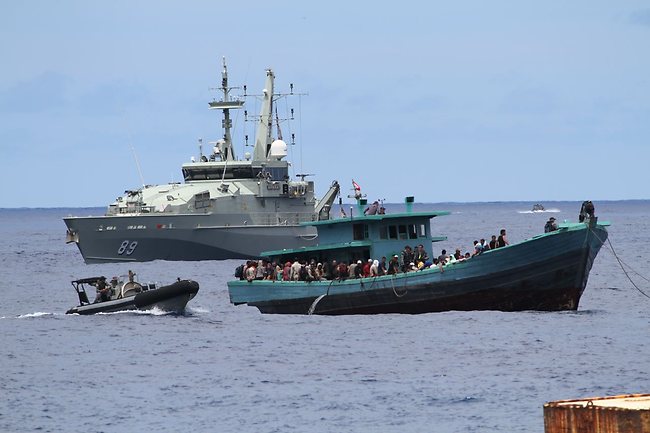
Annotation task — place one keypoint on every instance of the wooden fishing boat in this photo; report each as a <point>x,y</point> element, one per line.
<point>547,272</point>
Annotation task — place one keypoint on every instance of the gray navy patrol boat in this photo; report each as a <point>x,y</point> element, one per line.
<point>225,208</point>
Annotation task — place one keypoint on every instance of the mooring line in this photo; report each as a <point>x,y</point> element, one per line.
<point>392,281</point>
<point>622,264</point>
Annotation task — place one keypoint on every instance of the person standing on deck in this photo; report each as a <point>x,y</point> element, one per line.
<point>295,270</point>
<point>407,258</point>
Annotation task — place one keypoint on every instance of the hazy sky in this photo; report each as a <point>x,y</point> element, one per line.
<point>447,101</point>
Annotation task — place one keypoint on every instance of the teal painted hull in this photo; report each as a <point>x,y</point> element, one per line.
<point>547,273</point>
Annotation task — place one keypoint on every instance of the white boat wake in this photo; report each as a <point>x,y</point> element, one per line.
<point>540,211</point>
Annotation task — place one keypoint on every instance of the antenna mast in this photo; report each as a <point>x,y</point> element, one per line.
<point>226,104</point>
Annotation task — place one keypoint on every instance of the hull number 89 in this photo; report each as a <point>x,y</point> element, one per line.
<point>127,247</point>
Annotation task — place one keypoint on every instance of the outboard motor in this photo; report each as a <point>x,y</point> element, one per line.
<point>586,211</point>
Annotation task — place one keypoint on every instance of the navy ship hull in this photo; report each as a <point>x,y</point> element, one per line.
<point>178,237</point>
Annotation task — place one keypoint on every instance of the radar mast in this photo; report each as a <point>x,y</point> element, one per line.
<point>225,146</point>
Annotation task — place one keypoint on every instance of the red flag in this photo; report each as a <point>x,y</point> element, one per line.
<point>356,186</point>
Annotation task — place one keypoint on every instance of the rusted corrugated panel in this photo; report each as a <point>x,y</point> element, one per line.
<point>616,414</point>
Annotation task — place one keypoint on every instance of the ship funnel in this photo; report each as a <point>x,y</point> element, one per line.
<point>409,203</point>
<point>361,205</point>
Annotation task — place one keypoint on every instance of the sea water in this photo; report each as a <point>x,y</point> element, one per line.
<point>231,369</point>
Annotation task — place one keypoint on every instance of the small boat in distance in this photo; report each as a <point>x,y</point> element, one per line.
<point>118,295</point>
<point>538,208</point>
<point>227,207</point>
<point>547,272</point>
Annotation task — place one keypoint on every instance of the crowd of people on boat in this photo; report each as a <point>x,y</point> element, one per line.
<point>410,260</point>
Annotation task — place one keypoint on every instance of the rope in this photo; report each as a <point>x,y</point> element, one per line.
<point>632,269</point>
<point>392,282</point>
<point>328,287</point>
<point>622,265</point>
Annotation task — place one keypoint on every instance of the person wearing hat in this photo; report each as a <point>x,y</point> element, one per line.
<point>358,270</point>
<point>550,226</point>
<point>393,265</point>
<point>366,268</point>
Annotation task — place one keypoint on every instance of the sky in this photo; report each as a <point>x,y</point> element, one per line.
<point>447,101</point>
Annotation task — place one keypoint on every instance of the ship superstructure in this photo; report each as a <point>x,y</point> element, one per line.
<point>225,208</point>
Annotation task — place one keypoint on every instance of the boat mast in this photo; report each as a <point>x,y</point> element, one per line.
<point>263,138</point>
<point>226,104</point>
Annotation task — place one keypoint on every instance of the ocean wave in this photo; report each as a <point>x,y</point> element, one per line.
<point>36,314</point>
<point>152,312</point>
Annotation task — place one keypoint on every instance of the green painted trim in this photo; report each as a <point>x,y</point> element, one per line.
<point>368,218</point>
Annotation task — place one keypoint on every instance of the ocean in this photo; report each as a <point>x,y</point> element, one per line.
<point>231,369</point>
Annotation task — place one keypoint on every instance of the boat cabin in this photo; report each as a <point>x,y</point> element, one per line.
<point>365,237</point>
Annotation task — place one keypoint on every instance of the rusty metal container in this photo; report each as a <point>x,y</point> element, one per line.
<point>616,414</point>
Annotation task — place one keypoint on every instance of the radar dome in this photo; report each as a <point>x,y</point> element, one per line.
<point>278,149</point>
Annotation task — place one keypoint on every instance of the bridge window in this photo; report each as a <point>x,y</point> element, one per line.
<point>359,232</point>
<point>413,234</point>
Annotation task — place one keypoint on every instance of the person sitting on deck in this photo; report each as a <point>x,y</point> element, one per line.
<point>352,269</point>
<point>502,240</point>
<point>420,255</point>
<point>325,270</point>
<point>303,274</point>
<point>493,242</point>
<point>383,266</point>
<point>342,271</point>
<point>334,271</point>
<point>286,272</point>
<point>259,271</point>
<point>239,270</point>
<point>295,270</point>
<point>319,272</point>
<point>442,258</point>
<point>550,225</point>
<point>366,269</point>
<point>251,271</point>
<point>484,245</point>
<point>372,209</point>
<point>313,271</point>
<point>477,248</point>
<point>103,291</point>
<point>374,269</point>
<point>358,270</point>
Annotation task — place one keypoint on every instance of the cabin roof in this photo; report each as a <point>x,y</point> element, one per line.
<point>370,218</point>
